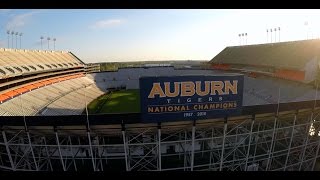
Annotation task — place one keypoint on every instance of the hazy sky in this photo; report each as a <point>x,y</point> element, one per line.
<point>127,35</point>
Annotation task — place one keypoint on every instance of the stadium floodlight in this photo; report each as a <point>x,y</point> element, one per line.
<point>8,32</point>
<point>246,38</point>
<point>48,42</point>
<point>20,39</point>
<point>41,41</point>
<point>306,24</point>
<point>275,34</point>
<point>17,40</point>
<point>54,43</point>
<point>12,33</point>
<point>279,33</point>
<point>242,38</point>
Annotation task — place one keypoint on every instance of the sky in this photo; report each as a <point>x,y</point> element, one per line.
<point>109,35</point>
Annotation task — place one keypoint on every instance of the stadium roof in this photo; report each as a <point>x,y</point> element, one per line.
<point>289,55</point>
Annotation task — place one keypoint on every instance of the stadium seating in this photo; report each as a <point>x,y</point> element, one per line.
<point>291,55</point>
<point>61,98</point>
<point>68,94</point>
<point>257,91</point>
<point>289,60</point>
<point>14,62</point>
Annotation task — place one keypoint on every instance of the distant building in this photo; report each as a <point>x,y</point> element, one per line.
<point>157,65</point>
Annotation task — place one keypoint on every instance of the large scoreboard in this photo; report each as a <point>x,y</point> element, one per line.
<point>190,97</point>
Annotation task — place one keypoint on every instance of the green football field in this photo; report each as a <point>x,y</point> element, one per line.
<point>123,101</point>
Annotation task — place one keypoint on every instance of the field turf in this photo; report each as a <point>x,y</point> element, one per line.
<point>123,101</point>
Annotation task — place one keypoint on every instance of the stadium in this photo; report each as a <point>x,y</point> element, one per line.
<point>60,114</point>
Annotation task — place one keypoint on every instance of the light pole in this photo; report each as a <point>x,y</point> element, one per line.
<point>41,42</point>
<point>48,42</point>
<point>20,39</point>
<point>275,34</point>
<point>240,39</point>
<point>17,40</point>
<point>54,44</point>
<point>306,24</point>
<point>246,37</point>
<point>271,34</point>
<point>8,32</point>
<point>279,33</point>
<point>267,36</point>
<point>12,33</point>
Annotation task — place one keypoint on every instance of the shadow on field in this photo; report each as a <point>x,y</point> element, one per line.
<point>123,101</point>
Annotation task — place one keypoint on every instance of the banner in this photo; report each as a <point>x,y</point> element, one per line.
<point>190,97</point>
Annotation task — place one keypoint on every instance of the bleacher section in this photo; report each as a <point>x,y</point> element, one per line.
<point>25,70</point>
<point>296,60</point>
<point>265,90</point>
<point>257,91</point>
<point>289,55</point>
<point>34,81</point>
<point>129,77</point>
<point>72,103</point>
<point>6,95</point>
<point>70,96</point>
<point>62,98</point>
<point>65,90</point>
<point>14,62</point>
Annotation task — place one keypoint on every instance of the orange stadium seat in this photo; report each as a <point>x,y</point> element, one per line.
<point>290,74</point>
<point>3,97</point>
<point>61,79</point>
<point>30,87</point>
<point>21,90</point>
<point>27,88</point>
<point>38,84</point>
<point>46,82</point>
<point>11,93</point>
<point>221,66</point>
<point>52,81</point>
